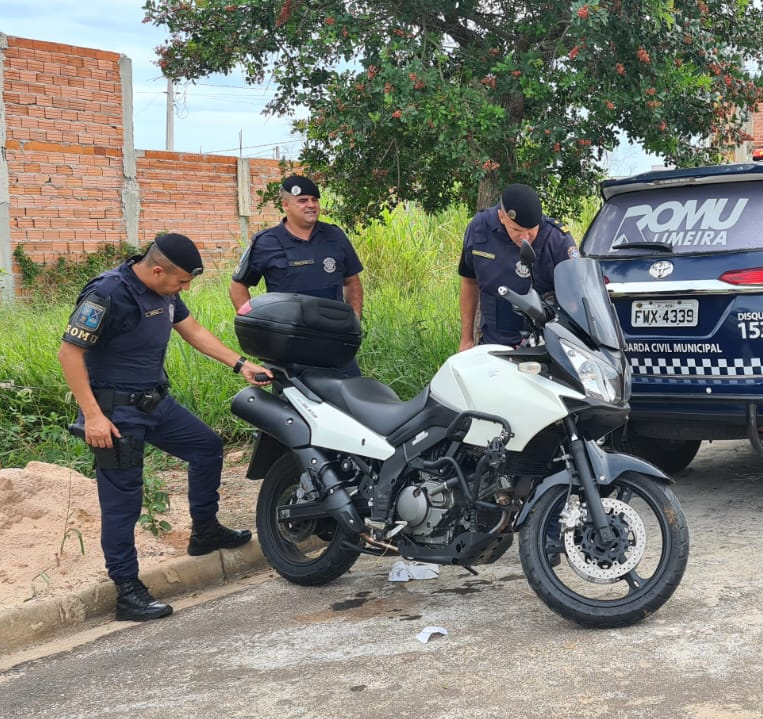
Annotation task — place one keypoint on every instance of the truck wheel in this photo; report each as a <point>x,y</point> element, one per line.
<point>670,455</point>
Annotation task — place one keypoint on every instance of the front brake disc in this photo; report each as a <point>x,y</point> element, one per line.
<point>606,565</point>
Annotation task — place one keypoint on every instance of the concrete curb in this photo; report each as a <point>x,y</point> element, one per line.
<point>35,621</point>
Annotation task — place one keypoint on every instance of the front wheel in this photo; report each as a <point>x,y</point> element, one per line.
<point>614,584</point>
<point>309,552</point>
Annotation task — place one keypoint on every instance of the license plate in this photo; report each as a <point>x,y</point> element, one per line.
<point>664,313</point>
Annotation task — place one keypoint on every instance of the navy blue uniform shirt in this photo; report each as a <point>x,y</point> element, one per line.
<point>125,327</point>
<point>315,267</point>
<point>490,257</point>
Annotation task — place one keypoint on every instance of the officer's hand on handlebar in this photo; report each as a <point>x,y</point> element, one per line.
<point>549,304</point>
<point>256,374</point>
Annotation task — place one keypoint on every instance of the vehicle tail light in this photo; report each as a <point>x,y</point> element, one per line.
<point>757,153</point>
<point>751,276</point>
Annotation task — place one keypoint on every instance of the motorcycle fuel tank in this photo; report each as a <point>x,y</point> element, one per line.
<point>479,380</point>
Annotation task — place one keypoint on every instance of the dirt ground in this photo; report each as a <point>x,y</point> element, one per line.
<point>50,526</point>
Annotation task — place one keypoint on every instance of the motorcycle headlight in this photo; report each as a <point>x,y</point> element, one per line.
<point>599,379</point>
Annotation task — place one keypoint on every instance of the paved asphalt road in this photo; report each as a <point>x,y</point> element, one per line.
<point>349,649</point>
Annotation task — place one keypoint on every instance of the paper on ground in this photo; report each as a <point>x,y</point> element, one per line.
<point>403,571</point>
<point>424,635</point>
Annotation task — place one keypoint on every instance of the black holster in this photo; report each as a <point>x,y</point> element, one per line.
<point>125,452</point>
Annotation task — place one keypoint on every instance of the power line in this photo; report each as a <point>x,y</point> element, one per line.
<point>253,147</point>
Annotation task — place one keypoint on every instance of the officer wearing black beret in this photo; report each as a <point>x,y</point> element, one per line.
<point>490,259</point>
<point>301,254</point>
<point>112,356</point>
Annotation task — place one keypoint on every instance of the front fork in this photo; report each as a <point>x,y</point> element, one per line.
<point>582,467</point>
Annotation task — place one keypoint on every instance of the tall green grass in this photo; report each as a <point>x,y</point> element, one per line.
<point>410,326</point>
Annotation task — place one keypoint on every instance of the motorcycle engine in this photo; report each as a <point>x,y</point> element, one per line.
<point>423,507</point>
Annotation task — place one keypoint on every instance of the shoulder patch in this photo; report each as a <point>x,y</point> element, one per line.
<point>90,314</point>
<point>86,322</point>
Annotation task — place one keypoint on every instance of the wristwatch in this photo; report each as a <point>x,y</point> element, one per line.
<point>237,367</point>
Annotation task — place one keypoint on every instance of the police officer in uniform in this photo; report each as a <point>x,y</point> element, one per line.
<point>490,259</point>
<point>112,356</point>
<point>301,254</point>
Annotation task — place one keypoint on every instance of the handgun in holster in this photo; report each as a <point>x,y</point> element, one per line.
<point>126,451</point>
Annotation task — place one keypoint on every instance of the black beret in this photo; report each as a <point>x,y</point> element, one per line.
<point>180,251</point>
<point>522,204</point>
<point>299,185</point>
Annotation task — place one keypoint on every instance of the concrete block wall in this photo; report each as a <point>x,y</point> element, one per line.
<point>71,179</point>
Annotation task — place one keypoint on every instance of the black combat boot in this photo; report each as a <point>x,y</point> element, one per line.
<point>209,535</point>
<point>135,603</point>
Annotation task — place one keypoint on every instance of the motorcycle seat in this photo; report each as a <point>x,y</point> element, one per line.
<point>367,400</point>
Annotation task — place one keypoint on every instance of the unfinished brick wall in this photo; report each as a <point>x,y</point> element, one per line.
<point>757,128</point>
<point>73,174</point>
<point>63,147</point>
<point>197,196</point>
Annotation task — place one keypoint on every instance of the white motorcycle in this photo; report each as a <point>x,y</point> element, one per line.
<point>502,441</point>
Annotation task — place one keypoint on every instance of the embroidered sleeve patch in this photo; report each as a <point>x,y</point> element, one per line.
<point>90,315</point>
<point>86,321</point>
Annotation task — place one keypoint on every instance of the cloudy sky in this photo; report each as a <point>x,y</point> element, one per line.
<point>218,115</point>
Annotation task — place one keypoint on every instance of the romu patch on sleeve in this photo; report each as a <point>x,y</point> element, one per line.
<point>89,314</point>
<point>86,322</point>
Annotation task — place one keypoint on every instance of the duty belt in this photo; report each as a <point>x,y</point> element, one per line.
<point>145,400</point>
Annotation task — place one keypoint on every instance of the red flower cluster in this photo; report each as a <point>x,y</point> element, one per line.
<point>584,12</point>
<point>643,55</point>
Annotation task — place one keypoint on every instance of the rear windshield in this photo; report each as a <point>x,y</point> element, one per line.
<point>679,220</point>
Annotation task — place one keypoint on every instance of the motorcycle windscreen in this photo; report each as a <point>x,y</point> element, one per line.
<point>581,293</point>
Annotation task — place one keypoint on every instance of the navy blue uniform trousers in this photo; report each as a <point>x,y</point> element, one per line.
<point>177,431</point>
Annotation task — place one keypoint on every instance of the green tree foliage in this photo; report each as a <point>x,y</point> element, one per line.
<point>448,100</point>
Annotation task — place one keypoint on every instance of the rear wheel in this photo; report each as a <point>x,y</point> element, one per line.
<point>613,584</point>
<point>670,455</point>
<point>308,552</point>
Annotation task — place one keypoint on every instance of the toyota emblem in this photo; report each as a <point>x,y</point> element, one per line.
<point>661,269</point>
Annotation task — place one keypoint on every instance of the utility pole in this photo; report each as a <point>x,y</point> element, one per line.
<point>170,132</point>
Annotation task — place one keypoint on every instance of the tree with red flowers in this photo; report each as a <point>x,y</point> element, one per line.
<point>448,100</point>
